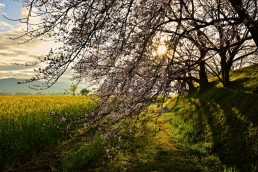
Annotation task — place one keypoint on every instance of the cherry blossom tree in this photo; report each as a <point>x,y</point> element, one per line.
<point>229,40</point>
<point>118,45</point>
<point>247,14</point>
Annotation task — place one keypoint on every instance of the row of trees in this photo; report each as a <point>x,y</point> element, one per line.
<point>83,91</point>
<point>114,44</point>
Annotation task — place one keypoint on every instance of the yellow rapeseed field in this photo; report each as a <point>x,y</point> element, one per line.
<point>24,105</point>
<point>29,124</point>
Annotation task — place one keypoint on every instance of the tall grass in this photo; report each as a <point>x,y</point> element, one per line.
<point>28,124</point>
<point>85,157</point>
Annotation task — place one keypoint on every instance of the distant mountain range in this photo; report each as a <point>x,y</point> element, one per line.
<point>10,86</point>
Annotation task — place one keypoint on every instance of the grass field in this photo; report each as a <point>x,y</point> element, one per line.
<point>28,124</point>
<point>213,131</point>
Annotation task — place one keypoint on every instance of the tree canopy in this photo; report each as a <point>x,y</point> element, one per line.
<point>117,44</point>
<point>73,89</point>
<point>84,92</point>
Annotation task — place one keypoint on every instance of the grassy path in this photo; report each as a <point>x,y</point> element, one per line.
<point>166,150</point>
<point>172,144</point>
<point>174,152</point>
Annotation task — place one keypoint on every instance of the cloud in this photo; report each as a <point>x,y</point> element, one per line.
<point>4,25</point>
<point>11,51</point>
<point>9,67</point>
<point>14,50</point>
<point>34,17</point>
<point>2,5</point>
<point>21,74</point>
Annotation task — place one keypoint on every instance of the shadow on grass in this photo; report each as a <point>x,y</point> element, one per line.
<point>239,85</point>
<point>180,153</point>
<point>169,161</point>
<point>233,120</point>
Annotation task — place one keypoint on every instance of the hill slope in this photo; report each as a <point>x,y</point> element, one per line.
<point>225,118</point>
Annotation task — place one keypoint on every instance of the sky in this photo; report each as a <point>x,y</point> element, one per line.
<point>12,53</point>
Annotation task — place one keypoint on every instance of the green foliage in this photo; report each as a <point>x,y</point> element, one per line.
<point>230,169</point>
<point>84,91</point>
<point>86,156</point>
<point>73,88</point>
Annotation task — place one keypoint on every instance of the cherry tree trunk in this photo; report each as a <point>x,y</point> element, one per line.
<point>203,76</point>
<point>245,18</point>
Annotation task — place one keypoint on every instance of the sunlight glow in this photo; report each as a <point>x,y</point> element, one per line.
<point>162,49</point>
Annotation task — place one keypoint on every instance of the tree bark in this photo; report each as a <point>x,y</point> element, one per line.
<point>224,71</point>
<point>245,18</point>
<point>226,77</point>
<point>190,84</point>
<point>225,67</point>
<point>203,76</point>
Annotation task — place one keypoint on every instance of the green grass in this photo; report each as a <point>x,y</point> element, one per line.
<point>29,124</point>
<point>88,153</point>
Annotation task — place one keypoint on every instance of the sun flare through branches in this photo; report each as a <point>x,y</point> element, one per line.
<point>161,50</point>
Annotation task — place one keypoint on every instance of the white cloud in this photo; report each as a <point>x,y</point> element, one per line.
<point>4,25</point>
<point>34,18</point>
<point>22,74</point>
<point>2,5</point>
<point>24,12</point>
<point>11,52</point>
